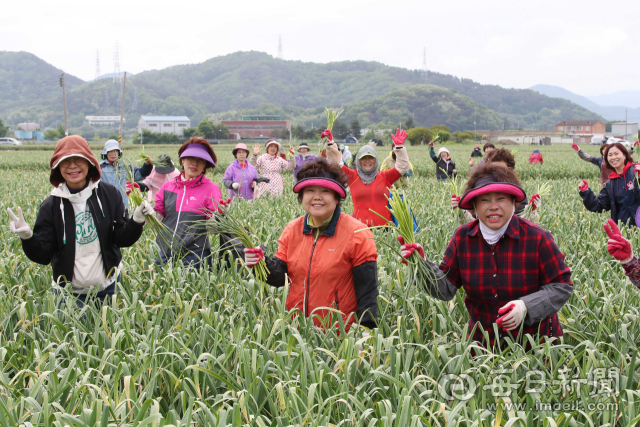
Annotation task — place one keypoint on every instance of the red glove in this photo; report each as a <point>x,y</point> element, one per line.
<point>431,143</point>
<point>130,187</point>
<point>584,186</point>
<point>636,169</point>
<point>635,144</point>
<point>535,202</point>
<point>407,249</point>
<point>223,206</point>
<point>252,256</point>
<point>575,146</point>
<point>618,246</point>
<point>454,201</point>
<point>327,134</point>
<point>292,152</point>
<point>399,138</point>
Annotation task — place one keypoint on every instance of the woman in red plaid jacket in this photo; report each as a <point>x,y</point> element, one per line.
<point>513,273</point>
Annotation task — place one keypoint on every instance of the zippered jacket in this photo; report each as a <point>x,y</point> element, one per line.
<point>118,177</point>
<point>338,269</point>
<point>181,203</point>
<point>54,233</point>
<point>243,176</point>
<point>444,169</point>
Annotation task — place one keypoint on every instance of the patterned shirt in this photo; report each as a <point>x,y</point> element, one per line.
<point>524,264</point>
<point>632,270</point>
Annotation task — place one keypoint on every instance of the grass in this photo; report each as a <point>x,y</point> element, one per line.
<point>211,348</point>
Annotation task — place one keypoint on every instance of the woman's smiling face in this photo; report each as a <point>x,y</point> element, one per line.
<point>494,209</point>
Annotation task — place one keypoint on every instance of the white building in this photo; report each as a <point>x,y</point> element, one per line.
<point>164,124</point>
<point>627,131</point>
<point>103,120</point>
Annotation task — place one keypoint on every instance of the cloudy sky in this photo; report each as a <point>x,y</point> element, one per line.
<point>587,47</point>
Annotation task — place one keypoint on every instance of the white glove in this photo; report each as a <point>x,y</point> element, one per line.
<point>235,185</point>
<point>142,211</point>
<point>19,226</point>
<point>513,314</point>
<point>252,256</point>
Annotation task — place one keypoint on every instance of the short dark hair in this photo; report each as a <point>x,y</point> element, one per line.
<point>487,145</point>
<point>502,155</point>
<point>317,169</point>
<point>499,174</point>
<point>627,156</point>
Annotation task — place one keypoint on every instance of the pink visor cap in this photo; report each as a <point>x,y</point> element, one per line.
<point>489,185</point>
<point>326,182</point>
<point>197,150</point>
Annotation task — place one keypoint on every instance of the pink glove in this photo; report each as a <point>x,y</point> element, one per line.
<point>584,185</point>
<point>514,312</point>
<point>130,187</point>
<point>618,246</point>
<point>327,134</point>
<point>223,206</point>
<point>399,138</point>
<point>575,146</point>
<point>252,256</point>
<point>407,249</point>
<point>636,169</point>
<point>536,200</point>
<point>431,143</point>
<point>454,201</point>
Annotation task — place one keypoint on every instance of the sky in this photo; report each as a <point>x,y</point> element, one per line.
<point>587,47</point>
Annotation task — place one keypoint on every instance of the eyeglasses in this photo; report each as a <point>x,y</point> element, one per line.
<point>78,161</point>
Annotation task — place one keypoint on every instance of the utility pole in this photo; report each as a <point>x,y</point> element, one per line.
<point>64,102</point>
<point>124,84</point>
<point>626,123</point>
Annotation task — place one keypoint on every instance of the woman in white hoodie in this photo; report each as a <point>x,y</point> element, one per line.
<point>81,226</point>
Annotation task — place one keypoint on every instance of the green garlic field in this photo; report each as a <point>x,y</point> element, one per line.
<point>179,347</point>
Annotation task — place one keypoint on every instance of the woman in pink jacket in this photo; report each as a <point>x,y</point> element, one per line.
<point>190,197</point>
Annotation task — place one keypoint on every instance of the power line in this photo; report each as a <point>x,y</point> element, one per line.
<point>116,63</point>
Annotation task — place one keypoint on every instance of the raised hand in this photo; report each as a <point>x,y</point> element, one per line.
<point>618,246</point>
<point>536,201</point>
<point>575,146</point>
<point>256,149</point>
<point>399,138</point>
<point>584,185</point>
<point>327,134</point>
<point>19,226</point>
<point>431,143</point>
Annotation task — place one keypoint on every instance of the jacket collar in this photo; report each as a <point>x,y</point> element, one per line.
<point>306,229</point>
<point>513,230</point>
<point>614,174</point>
<point>190,183</point>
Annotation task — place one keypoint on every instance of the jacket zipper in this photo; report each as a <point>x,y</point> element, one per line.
<point>175,230</point>
<point>95,219</point>
<point>306,292</point>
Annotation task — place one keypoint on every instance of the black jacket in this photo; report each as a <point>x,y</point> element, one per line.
<point>620,195</point>
<point>115,231</point>
<point>443,170</point>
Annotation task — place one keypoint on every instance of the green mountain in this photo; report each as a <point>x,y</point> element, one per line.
<point>25,79</point>
<point>257,82</point>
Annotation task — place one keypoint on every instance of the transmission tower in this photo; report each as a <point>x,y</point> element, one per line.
<point>97,64</point>
<point>116,62</point>
<point>280,47</point>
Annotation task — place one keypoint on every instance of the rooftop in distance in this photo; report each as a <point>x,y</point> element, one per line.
<point>165,118</point>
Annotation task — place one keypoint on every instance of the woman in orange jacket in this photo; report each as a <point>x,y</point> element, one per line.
<point>370,188</point>
<point>325,261</point>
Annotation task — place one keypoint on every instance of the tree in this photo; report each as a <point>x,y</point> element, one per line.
<point>417,135</point>
<point>55,134</point>
<point>409,124</point>
<point>206,129</point>
<point>96,137</point>
<point>190,132</point>
<point>3,129</point>
<point>113,136</point>
<point>221,131</point>
<point>340,130</point>
<point>437,128</point>
<point>355,128</point>
<point>443,136</point>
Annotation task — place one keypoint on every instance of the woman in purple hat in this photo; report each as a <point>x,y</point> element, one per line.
<point>303,157</point>
<point>190,197</point>
<point>240,177</point>
<point>512,272</point>
<point>271,165</point>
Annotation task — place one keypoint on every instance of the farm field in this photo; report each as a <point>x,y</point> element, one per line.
<point>179,347</point>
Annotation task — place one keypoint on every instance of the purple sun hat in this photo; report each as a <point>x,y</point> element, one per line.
<point>197,150</point>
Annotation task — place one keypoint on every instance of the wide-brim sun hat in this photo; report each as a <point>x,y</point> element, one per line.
<point>489,185</point>
<point>166,163</point>
<point>328,181</point>
<point>239,146</point>
<point>110,145</point>
<point>197,150</point>
<point>268,143</point>
<point>443,150</point>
